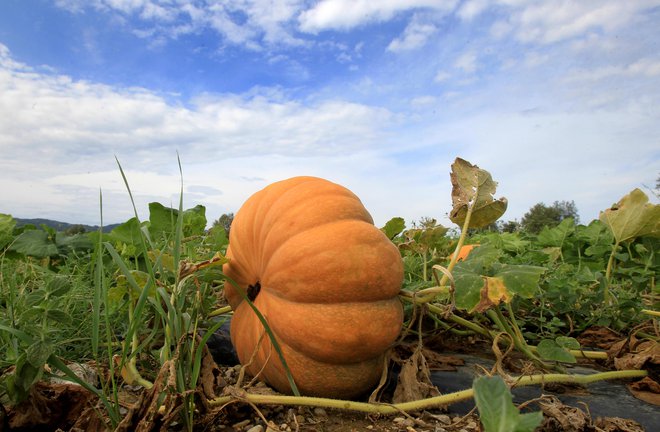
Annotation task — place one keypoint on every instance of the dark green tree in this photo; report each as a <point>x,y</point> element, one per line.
<point>75,229</point>
<point>541,215</point>
<point>509,226</point>
<point>224,221</point>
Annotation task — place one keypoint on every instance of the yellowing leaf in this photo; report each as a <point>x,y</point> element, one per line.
<point>493,293</point>
<point>633,216</point>
<point>473,189</point>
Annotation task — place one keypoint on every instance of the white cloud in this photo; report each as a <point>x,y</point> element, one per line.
<point>423,101</point>
<point>646,67</point>
<point>414,36</point>
<point>551,21</point>
<point>467,62</point>
<point>249,23</point>
<point>49,120</point>
<point>442,76</point>
<point>347,14</point>
<point>471,8</point>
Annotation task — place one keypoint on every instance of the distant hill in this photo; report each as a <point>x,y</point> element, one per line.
<point>61,226</point>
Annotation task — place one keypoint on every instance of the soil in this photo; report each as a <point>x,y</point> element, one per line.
<point>56,405</point>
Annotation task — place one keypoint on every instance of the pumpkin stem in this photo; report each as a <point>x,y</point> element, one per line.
<point>253,291</point>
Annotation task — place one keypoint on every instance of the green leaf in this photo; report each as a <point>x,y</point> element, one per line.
<point>549,349</point>
<point>140,278</point>
<point>59,286</point>
<point>194,221</point>
<point>128,233</point>
<point>496,409</point>
<point>477,290</point>
<point>7,224</point>
<point>58,316</point>
<point>24,376</point>
<point>556,236</point>
<point>162,221</point>
<point>35,243</point>
<point>528,422</point>
<point>522,280</point>
<point>473,188</point>
<point>38,353</point>
<point>633,216</point>
<point>394,227</point>
<point>73,243</point>
<point>568,342</point>
<point>468,288</point>
<point>35,297</point>
<point>217,238</point>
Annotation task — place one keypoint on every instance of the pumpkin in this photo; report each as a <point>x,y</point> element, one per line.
<point>326,280</point>
<point>465,251</point>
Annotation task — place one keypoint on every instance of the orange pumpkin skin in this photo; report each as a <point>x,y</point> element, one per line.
<point>329,283</point>
<point>465,251</point>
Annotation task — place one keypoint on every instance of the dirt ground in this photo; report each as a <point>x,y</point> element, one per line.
<point>56,405</point>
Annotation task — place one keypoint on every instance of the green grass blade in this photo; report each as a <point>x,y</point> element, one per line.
<point>197,359</point>
<point>270,334</point>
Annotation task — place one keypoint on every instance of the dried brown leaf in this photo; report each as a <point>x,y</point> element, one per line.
<point>563,417</point>
<point>50,404</point>
<point>646,389</point>
<point>616,424</point>
<point>599,337</point>
<point>414,382</point>
<point>646,352</point>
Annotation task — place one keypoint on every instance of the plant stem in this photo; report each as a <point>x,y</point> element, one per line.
<point>608,275</point>
<point>220,311</point>
<point>593,355</point>
<point>500,321</point>
<point>653,313</point>
<point>408,297</point>
<point>437,401</point>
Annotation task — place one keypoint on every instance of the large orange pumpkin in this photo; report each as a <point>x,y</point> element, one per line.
<point>307,254</point>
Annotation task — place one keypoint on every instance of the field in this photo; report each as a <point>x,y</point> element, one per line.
<point>127,330</point>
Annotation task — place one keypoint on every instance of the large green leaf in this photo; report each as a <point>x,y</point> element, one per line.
<point>479,288</point>
<point>556,236</point>
<point>394,227</point>
<point>633,216</point>
<point>73,243</point>
<point>162,221</point>
<point>7,224</point>
<point>522,280</point>
<point>473,188</point>
<point>424,239</point>
<point>127,233</point>
<point>35,243</point>
<point>468,286</point>
<point>496,409</point>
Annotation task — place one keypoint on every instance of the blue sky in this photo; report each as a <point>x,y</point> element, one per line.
<point>559,100</point>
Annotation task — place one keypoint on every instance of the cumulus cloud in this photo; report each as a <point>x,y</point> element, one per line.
<point>414,36</point>
<point>49,120</point>
<point>41,108</point>
<point>347,14</point>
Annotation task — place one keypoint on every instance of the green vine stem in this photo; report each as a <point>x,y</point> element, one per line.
<point>592,355</point>
<point>500,321</point>
<point>607,297</point>
<point>479,329</point>
<point>444,400</point>
<point>220,311</point>
<point>655,314</point>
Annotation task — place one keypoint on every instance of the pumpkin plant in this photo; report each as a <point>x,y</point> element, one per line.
<point>305,253</point>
